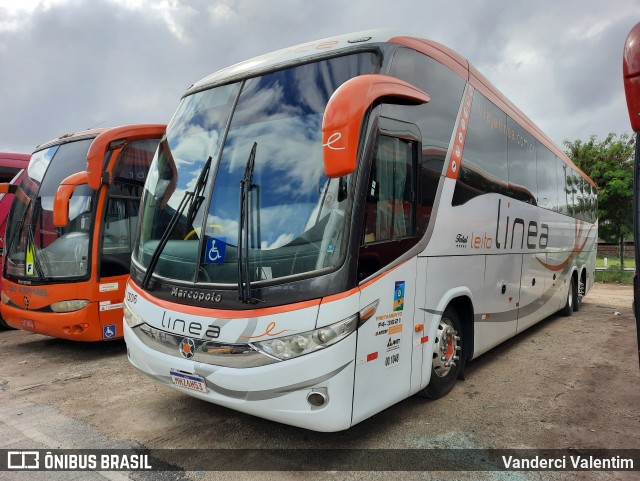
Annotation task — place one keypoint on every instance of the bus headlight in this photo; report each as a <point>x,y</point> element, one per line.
<point>288,347</point>
<point>69,306</point>
<point>130,317</point>
<point>5,298</point>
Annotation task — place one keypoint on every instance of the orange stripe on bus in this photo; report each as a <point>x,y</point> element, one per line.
<point>576,249</point>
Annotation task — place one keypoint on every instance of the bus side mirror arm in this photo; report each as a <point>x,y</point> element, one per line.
<point>63,194</point>
<point>345,112</point>
<point>103,143</point>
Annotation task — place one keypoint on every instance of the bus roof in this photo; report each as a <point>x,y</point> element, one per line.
<point>14,160</point>
<point>84,134</point>
<point>360,40</point>
<point>293,55</point>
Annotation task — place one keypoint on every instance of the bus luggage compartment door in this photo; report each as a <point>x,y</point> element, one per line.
<point>498,317</point>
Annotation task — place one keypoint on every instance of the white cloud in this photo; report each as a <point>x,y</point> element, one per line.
<point>71,64</point>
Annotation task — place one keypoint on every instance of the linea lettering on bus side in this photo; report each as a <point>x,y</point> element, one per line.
<point>534,235</point>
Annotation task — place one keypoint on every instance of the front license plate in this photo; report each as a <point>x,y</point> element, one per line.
<point>188,381</point>
<point>27,324</point>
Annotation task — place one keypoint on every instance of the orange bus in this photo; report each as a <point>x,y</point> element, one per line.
<point>66,266</point>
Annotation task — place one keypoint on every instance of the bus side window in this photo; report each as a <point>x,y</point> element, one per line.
<point>546,178</point>
<point>484,167</point>
<point>389,226</point>
<point>120,218</point>
<point>390,208</point>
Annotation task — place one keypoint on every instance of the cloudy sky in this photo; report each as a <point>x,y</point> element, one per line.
<point>67,65</point>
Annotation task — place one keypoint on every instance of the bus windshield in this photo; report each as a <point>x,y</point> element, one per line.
<point>37,250</point>
<point>293,215</point>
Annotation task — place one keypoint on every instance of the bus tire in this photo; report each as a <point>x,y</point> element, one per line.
<point>447,356</point>
<point>567,310</point>
<point>4,326</point>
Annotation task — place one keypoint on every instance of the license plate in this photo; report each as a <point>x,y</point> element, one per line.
<point>188,381</point>
<point>27,324</point>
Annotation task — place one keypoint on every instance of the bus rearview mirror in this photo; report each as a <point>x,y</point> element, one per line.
<point>63,194</point>
<point>111,140</point>
<point>631,71</point>
<point>345,112</point>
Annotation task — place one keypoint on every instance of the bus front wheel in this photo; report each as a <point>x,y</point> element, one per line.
<point>4,326</point>
<point>447,353</point>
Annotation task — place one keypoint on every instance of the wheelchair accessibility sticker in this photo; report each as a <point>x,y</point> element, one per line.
<point>215,250</point>
<point>109,331</point>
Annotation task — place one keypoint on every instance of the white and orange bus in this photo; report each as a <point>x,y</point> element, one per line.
<point>70,232</point>
<point>330,228</point>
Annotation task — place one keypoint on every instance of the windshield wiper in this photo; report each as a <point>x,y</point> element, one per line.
<point>198,198</point>
<point>244,275</point>
<point>30,237</point>
<point>189,198</point>
<point>19,226</point>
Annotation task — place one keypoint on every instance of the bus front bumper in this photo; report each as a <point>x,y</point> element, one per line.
<point>82,325</point>
<point>284,391</point>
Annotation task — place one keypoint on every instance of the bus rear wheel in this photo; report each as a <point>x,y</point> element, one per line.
<point>446,363</point>
<point>572,295</point>
<point>579,293</point>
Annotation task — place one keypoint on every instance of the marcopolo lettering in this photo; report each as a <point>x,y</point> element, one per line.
<point>195,295</point>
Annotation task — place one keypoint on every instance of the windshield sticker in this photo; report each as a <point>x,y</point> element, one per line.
<point>29,261</point>
<point>215,251</point>
<point>398,296</point>
<point>108,306</point>
<point>111,286</point>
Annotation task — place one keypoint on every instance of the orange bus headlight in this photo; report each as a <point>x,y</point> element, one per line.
<point>288,347</point>
<point>69,306</point>
<point>5,298</point>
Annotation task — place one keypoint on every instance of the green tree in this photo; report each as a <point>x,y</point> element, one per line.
<point>610,164</point>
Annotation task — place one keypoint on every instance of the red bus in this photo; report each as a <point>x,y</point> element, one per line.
<point>631,72</point>
<point>12,166</point>
<point>70,232</point>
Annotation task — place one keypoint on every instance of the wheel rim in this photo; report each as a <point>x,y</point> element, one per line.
<point>570,298</point>
<point>446,347</point>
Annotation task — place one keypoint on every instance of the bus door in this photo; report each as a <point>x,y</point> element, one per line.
<point>118,227</point>
<point>386,361</point>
